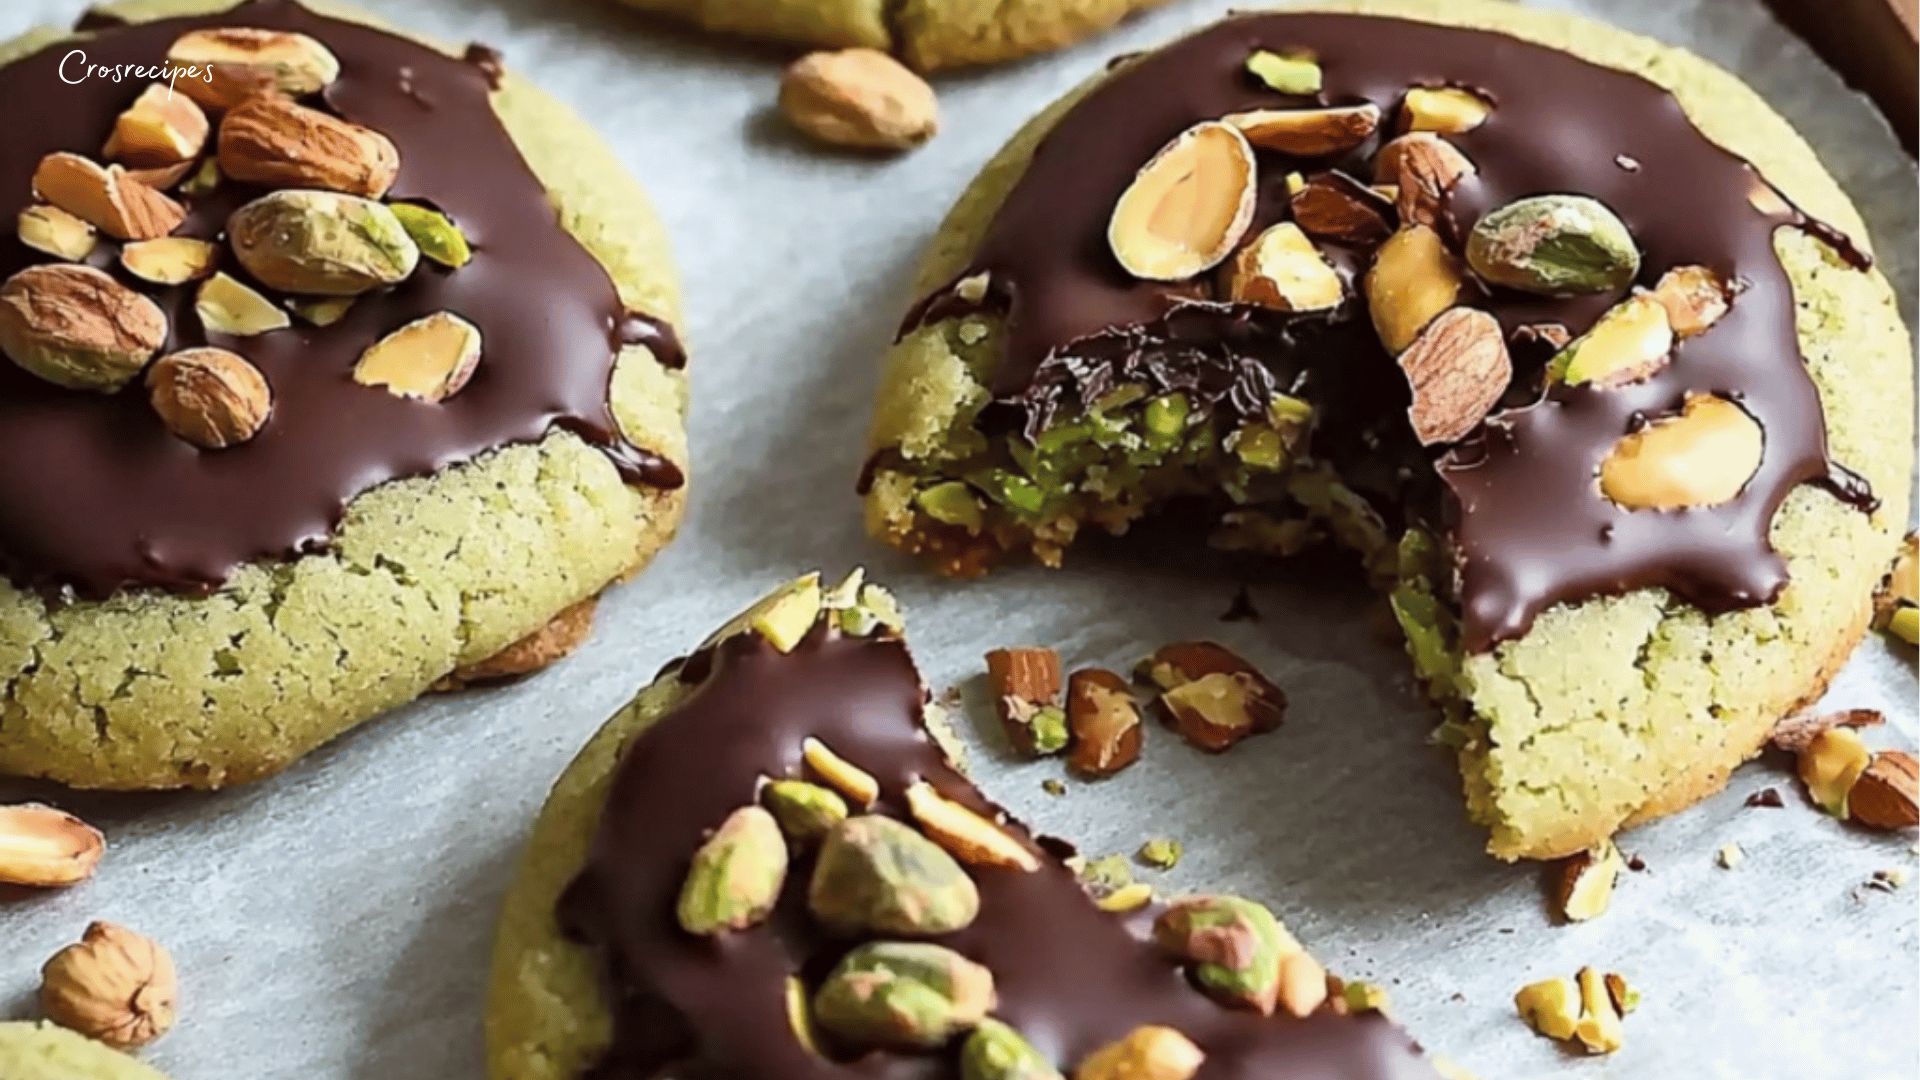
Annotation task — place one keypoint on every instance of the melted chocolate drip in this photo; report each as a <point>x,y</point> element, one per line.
<point>1069,976</point>
<point>97,496</point>
<point>1529,526</point>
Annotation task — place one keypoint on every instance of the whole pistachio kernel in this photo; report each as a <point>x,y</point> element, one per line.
<point>876,875</point>
<point>736,875</point>
<point>805,811</point>
<point>903,995</point>
<point>1554,245</point>
<point>1286,74</point>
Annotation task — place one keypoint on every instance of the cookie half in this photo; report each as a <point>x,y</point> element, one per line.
<point>1629,460</point>
<point>373,378</point>
<point>928,34</point>
<point>726,947</point>
<point>45,1052</point>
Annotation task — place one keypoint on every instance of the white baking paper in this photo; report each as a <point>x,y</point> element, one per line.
<point>336,922</point>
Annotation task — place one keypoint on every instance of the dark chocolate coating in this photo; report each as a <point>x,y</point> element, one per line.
<point>1069,976</point>
<point>97,496</point>
<point>1521,502</point>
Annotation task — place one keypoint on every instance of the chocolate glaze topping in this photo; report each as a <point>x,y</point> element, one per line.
<point>1518,497</point>
<point>97,496</point>
<point>1070,977</point>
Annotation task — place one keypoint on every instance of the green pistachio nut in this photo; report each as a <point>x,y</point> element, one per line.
<point>1236,944</point>
<point>204,179</point>
<point>903,996</point>
<point>736,875</point>
<point>876,875</point>
<point>1905,624</point>
<point>1165,418</point>
<point>1285,74</point>
<point>1259,447</point>
<point>1161,853</point>
<point>321,243</point>
<point>1048,730</point>
<point>952,503</point>
<point>997,1052</point>
<point>1554,245</point>
<point>1630,342</point>
<point>436,234</point>
<point>805,811</point>
<point>1016,493</point>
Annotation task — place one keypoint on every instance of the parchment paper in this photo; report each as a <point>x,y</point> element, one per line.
<point>336,922</point>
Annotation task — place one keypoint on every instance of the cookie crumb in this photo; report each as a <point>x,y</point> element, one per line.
<point>1053,787</point>
<point>1730,856</point>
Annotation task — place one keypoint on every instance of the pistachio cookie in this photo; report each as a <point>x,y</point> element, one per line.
<point>340,368</point>
<point>774,868</point>
<point>928,34</point>
<point>45,1052</point>
<point>1565,332</point>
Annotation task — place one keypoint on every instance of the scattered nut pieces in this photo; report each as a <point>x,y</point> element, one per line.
<point>321,243</point>
<point>736,875</point>
<point>1147,1053</point>
<point>114,986</point>
<point>1702,457</point>
<point>1237,947</point>
<point>1338,207</point>
<point>1730,856</point>
<point>106,198</point>
<point>160,129</point>
<point>1126,898</point>
<point>1554,245</point>
<point>1897,605</point>
<point>1830,764</point>
<point>271,141</point>
<point>240,62</point>
<point>210,397</point>
<point>1695,299</point>
<point>1423,169</point>
<point>971,838</point>
<point>1629,344</point>
<point>1458,368</point>
<point>1413,279</point>
<point>1887,795</point>
<point>1211,695</point>
<point>434,233</point>
<point>1026,689</point>
<point>857,784</point>
<point>903,996</point>
<point>1795,732</point>
<point>1766,798</point>
<point>876,875</point>
<point>861,98</point>
<point>1188,207</point>
<point>53,231</point>
<point>170,260</point>
<point>204,180</point>
<point>1449,110</point>
<point>1351,997</point>
<point>44,848</point>
<point>1282,270</point>
<point>1585,885</point>
<point>227,306</point>
<point>1295,74</point>
<point>1105,721</point>
<point>1160,853</point>
<point>76,327</point>
<point>1308,133</point>
<point>429,359</point>
<point>1586,1009</point>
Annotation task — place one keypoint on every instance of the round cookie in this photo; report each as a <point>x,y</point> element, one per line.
<point>442,535</point>
<point>927,34</point>
<point>31,1051</point>
<point>817,684</point>
<point>1609,709</point>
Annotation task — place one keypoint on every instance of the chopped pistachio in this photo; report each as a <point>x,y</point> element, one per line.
<point>952,503</point>
<point>1160,853</point>
<point>1286,74</point>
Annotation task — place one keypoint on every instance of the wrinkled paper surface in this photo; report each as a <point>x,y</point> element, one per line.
<point>337,922</point>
